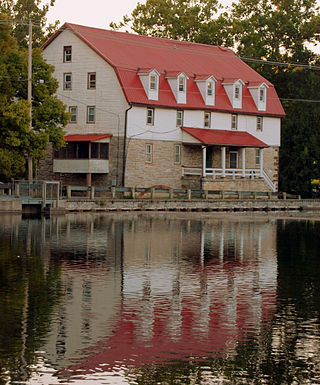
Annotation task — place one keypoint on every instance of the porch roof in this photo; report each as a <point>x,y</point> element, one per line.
<point>223,137</point>
<point>86,138</point>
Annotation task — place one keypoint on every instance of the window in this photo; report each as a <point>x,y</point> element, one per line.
<point>207,119</point>
<point>150,116</point>
<point>259,123</point>
<point>73,150</point>
<point>177,153</point>
<point>179,118</point>
<point>181,84</point>
<point>67,53</point>
<point>91,80</point>
<point>153,82</point>
<point>73,111</point>
<point>91,112</point>
<point>258,157</point>
<point>99,150</point>
<point>261,94</point>
<point>233,159</point>
<point>234,122</point>
<point>149,153</point>
<point>210,89</point>
<point>237,92</point>
<point>67,81</point>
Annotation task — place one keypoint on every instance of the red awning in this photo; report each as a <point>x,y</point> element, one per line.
<point>86,138</point>
<point>224,137</point>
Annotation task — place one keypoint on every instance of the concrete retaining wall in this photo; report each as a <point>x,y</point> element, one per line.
<point>10,205</point>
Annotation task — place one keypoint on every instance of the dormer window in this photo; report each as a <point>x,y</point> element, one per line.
<point>153,82</point>
<point>206,86</point>
<point>233,88</point>
<point>150,82</point>
<point>178,84</point>
<point>181,84</point>
<point>237,92</point>
<point>258,92</point>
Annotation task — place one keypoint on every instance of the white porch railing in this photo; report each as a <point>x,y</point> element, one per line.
<point>251,173</point>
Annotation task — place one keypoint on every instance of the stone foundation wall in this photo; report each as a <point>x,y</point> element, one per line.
<point>228,184</point>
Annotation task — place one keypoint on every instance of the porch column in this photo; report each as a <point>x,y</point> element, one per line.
<point>204,159</point>
<point>223,161</point>
<point>243,156</point>
<point>88,183</point>
<point>261,162</point>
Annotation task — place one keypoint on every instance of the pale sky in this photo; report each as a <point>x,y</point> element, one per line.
<point>93,13</point>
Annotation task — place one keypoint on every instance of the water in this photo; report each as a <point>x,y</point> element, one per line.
<point>159,299</point>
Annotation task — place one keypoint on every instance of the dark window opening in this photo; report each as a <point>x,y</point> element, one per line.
<point>73,150</point>
<point>99,150</point>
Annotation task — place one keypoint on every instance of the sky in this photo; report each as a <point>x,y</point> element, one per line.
<point>93,13</point>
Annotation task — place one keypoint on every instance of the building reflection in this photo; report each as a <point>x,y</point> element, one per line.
<point>139,289</point>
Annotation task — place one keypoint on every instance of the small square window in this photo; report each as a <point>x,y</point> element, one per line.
<point>91,80</point>
<point>67,53</point>
<point>181,84</point>
<point>207,119</point>
<point>67,81</point>
<point>259,123</point>
<point>73,111</point>
<point>179,119</point>
<point>210,89</point>
<point>153,82</point>
<point>149,153</point>
<point>177,153</point>
<point>234,122</point>
<point>150,116</point>
<point>91,114</point>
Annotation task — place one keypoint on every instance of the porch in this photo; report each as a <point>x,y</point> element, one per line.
<point>230,159</point>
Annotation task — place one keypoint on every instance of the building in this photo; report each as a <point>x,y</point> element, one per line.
<point>147,112</point>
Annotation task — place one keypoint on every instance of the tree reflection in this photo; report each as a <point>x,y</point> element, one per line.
<point>30,290</point>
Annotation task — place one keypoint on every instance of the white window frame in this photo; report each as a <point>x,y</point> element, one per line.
<point>90,114</point>
<point>153,83</point>
<point>177,154</point>
<point>237,92</point>
<point>181,84</point>
<point>259,126</point>
<point>210,88</point>
<point>262,94</point>
<point>75,114</point>
<point>237,158</point>
<point>150,116</point>
<point>179,118</point>
<point>149,153</point>
<point>67,84</point>
<point>234,122</point>
<point>207,119</point>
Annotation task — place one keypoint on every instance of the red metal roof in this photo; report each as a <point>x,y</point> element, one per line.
<point>128,52</point>
<point>86,138</point>
<point>224,137</point>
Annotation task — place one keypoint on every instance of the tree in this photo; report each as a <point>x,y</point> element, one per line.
<point>49,116</point>
<point>25,10</point>
<point>191,20</point>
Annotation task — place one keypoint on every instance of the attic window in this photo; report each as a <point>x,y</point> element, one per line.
<point>261,94</point>
<point>181,84</point>
<point>67,53</point>
<point>237,92</point>
<point>210,89</point>
<point>153,82</point>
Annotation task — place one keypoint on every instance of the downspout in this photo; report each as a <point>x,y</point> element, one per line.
<point>124,159</point>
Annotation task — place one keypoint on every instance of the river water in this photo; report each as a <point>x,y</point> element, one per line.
<point>159,299</point>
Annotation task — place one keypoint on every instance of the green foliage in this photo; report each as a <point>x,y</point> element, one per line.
<point>23,11</point>
<point>48,112</point>
<point>191,20</point>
